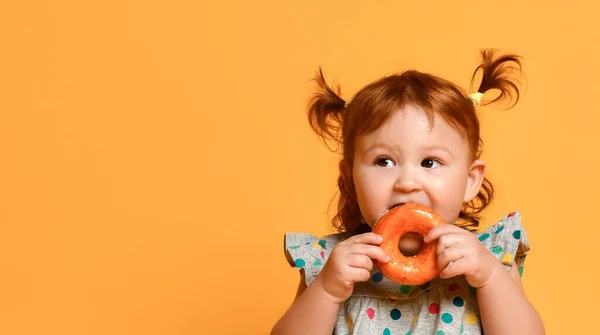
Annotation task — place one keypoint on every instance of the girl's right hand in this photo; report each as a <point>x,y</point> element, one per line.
<point>350,261</point>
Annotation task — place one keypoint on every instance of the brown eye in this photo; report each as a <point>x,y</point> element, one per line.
<point>430,163</point>
<point>384,162</point>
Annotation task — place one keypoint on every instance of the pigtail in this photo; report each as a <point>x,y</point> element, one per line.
<point>326,110</point>
<point>498,73</point>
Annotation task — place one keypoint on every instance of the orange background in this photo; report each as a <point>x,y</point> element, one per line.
<point>154,153</point>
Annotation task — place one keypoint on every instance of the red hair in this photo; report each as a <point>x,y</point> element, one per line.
<point>334,120</point>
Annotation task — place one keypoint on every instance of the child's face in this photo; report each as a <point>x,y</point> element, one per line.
<point>404,161</point>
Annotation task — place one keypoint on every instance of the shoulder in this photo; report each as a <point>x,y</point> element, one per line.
<point>508,228</point>
<point>507,240</point>
<point>302,240</point>
<point>308,252</point>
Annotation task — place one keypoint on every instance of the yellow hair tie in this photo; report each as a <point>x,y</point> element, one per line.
<point>476,98</point>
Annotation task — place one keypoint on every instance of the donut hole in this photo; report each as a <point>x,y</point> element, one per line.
<point>410,244</point>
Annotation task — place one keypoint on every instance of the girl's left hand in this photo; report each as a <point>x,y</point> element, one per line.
<point>460,252</point>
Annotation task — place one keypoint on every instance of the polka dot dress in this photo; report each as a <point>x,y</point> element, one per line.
<point>380,306</point>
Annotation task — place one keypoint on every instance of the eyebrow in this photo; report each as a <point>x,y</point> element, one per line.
<point>429,147</point>
<point>439,147</point>
<point>378,145</point>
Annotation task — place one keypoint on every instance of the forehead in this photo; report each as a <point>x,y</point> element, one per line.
<point>411,125</point>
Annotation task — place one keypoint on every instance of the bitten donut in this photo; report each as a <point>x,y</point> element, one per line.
<point>408,270</point>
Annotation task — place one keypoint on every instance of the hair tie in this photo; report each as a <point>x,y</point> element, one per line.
<point>475,98</point>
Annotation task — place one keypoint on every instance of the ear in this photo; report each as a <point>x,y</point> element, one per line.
<point>474,179</point>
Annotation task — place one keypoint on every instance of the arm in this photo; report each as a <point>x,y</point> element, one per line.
<point>311,303</point>
<point>316,307</point>
<point>503,306</point>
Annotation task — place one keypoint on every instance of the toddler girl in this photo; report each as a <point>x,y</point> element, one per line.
<point>412,138</point>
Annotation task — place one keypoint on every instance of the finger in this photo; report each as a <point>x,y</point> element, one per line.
<point>366,238</point>
<point>440,230</point>
<point>447,241</point>
<point>360,261</point>
<point>449,256</point>
<point>372,251</point>
<point>359,275</point>
<point>455,268</point>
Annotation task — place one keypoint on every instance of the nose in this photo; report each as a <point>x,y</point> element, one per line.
<point>407,181</point>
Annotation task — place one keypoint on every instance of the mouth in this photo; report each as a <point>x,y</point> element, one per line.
<point>398,205</point>
<point>394,206</point>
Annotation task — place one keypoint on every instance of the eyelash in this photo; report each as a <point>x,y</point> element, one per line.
<point>376,161</point>
<point>435,160</point>
<point>426,159</point>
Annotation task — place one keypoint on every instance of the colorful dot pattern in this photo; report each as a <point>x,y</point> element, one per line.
<point>380,306</point>
<point>447,318</point>
<point>377,277</point>
<point>506,241</point>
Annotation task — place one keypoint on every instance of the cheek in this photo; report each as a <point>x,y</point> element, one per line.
<point>448,196</point>
<point>368,196</point>
<point>362,189</point>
